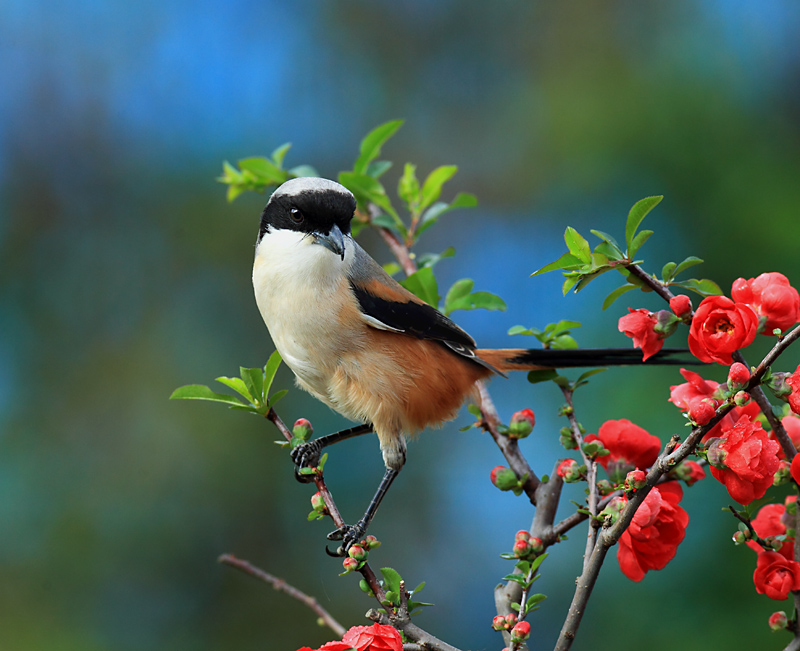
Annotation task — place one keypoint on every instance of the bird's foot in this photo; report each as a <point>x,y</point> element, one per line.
<point>349,534</point>
<point>306,455</point>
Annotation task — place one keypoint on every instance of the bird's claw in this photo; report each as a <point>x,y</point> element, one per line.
<point>305,455</point>
<point>349,534</point>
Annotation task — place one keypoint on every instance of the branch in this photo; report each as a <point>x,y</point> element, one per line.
<point>280,584</point>
<point>508,447</point>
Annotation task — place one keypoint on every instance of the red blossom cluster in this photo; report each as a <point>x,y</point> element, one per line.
<point>720,325</point>
<point>378,637</point>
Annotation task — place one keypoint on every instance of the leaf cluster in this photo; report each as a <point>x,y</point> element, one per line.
<point>581,264</point>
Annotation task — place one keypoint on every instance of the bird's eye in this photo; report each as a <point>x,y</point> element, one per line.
<point>296,215</point>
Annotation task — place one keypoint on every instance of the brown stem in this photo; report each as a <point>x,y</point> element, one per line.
<point>280,584</point>
<point>399,250</point>
<point>508,446</point>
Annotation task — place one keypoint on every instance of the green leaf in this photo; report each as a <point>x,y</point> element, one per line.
<point>565,261</point>
<point>638,241</point>
<point>277,396</point>
<point>521,330</point>
<point>391,268</point>
<point>563,342</point>
<point>577,245</point>
<point>432,214</point>
<point>254,379</point>
<point>270,369</point>
<point>460,289</point>
<point>303,170</point>
<point>607,238</point>
<point>391,579</point>
<point>430,259</point>
<point>432,187</point>
<point>377,169</point>
<point>704,287</point>
<point>537,562</point>
<point>238,385</point>
<point>371,144</point>
<point>202,392</point>
<point>691,261</point>
<point>408,186</point>
<point>279,154</point>
<point>637,213</point>
<point>476,301</point>
<point>613,296</point>
<point>422,283</point>
<point>418,588</point>
<point>543,375</point>
<point>668,271</point>
<point>369,190</point>
<point>264,170</point>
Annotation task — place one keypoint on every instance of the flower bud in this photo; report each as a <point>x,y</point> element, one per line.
<point>504,478</point>
<point>594,449</point>
<point>741,398</point>
<point>778,385</point>
<point>741,537</point>
<point>611,513</point>
<point>520,632</point>
<point>358,553</point>
<point>689,471</point>
<point>635,480</point>
<point>350,564</point>
<point>567,439</point>
<point>570,471</point>
<point>302,429</point>
<point>522,549</point>
<point>605,487</point>
<point>714,454</point>
<point>371,542</point>
<point>521,425</point>
<point>511,619</point>
<point>702,410</point>
<point>782,474</point>
<point>680,305</point>
<point>738,375</point>
<point>318,502</point>
<point>778,621</point>
<point>499,623</point>
<point>666,322</point>
<point>522,535</point>
<point>536,545</point>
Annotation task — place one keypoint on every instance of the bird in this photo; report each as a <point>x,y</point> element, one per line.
<point>364,345</point>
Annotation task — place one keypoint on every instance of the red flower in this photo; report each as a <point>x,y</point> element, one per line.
<point>695,387</point>
<point>640,326</point>
<point>775,575</point>
<point>720,327</point>
<point>772,297</point>
<point>794,470</point>
<point>680,304</point>
<point>750,460</point>
<point>629,445</point>
<point>330,646</point>
<point>657,528</point>
<point>769,523</point>
<point>794,397</point>
<point>378,637</point>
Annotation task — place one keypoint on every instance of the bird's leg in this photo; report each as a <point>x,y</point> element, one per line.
<point>352,533</point>
<point>306,455</point>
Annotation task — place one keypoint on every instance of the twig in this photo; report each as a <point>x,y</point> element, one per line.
<point>423,639</point>
<point>280,584</point>
<point>508,446</point>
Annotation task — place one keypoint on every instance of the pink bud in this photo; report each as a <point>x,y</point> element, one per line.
<point>680,304</point>
<point>702,410</point>
<point>318,502</point>
<point>522,423</point>
<point>741,398</point>
<point>536,545</point>
<point>504,478</point>
<point>522,548</point>
<point>635,480</point>
<point>521,631</point>
<point>302,429</point>
<point>358,553</point>
<point>738,375</point>
<point>350,564</point>
<point>499,623</point>
<point>778,621</point>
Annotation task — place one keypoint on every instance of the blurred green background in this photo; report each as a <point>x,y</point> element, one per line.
<point>126,274</point>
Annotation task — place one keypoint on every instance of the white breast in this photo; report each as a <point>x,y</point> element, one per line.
<point>300,291</point>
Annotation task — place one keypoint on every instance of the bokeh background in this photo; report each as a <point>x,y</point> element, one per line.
<point>124,274</point>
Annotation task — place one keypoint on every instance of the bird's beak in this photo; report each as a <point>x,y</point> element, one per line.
<point>333,241</point>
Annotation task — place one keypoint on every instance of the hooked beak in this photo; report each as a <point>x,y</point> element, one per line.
<point>333,241</point>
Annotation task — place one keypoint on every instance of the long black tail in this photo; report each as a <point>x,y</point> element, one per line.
<point>521,359</point>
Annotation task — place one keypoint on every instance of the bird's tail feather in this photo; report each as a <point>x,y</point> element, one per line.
<point>522,359</point>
